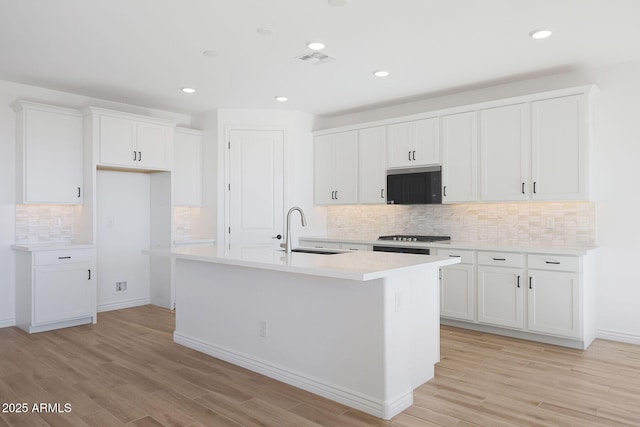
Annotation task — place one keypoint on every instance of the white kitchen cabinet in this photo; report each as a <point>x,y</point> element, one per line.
<point>504,153</point>
<point>55,289</point>
<point>49,154</point>
<point>500,296</point>
<point>414,143</point>
<point>457,286</point>
<point>372,165</point>
<point>132,141</point>
<point>187,167</point>
<point>336,168</point>
<point>460,157</point>
<point>553,296</point>
<point>559,148</point>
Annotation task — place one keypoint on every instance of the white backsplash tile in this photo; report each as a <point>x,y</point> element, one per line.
<point>44,224</point>
<point>182,223</point>
<point>554,223</point>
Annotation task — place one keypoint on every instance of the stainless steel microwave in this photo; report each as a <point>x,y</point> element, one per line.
<point>414,186</point>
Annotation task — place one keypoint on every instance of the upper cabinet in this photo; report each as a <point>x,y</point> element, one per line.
<point>460,157</point>
<point>415,143</point>
<point>559,148</point>
<point>49,154</point>
<point>372,165</point>
<point>504,153</point>
<point>132,141</point>
<point>336,168</point>
<point>187,167</point>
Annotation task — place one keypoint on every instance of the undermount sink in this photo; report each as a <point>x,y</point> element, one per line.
<point>318,251</point>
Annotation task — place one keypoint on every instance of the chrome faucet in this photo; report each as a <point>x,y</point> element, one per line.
<point>287,237</point>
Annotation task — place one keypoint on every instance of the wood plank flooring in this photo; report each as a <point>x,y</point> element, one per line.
<point>126,371</point>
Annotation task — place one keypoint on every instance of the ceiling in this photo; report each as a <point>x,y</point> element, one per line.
<point>142,52</point>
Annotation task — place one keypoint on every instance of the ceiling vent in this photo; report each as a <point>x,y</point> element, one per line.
<point>315,58</point>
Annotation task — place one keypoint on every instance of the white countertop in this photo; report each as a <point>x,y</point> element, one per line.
<point>528,247</point>
<point>352,265</point>
<point>35,247</point>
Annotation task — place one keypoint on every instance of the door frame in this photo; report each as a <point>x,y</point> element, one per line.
<point>227,172</point>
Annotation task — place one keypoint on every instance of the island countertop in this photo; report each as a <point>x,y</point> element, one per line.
<point>353,265</point>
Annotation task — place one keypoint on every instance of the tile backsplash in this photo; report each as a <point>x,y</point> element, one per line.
<point>555,223</point>
<point>44,224</point>
<point>182,223</point>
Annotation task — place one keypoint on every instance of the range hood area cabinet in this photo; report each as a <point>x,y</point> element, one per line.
<point>413,144</point>
<point>131,141</point>
<point>336,168</point>
<point>49,154</point>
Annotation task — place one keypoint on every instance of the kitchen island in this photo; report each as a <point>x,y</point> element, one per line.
<point>360,328</point>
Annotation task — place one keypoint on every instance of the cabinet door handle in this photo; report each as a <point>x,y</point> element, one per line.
<point>64,257</point>
<point>336,194</point>
<point>534,187</point>
<point>89,274</point>
<point>414,155</point>
<point>78,192</point>
<point>455,256</point>
<point>279,236</point>
<point>523,188</point>
<point>382,193</point>
<point>139,156</point>
<point>499,259</point>
<point>553,262</point>
<point>530,282</point>
<point>518,281</point>
<point>135,155</point>
<point>444,191</point>
<point>409,155</point>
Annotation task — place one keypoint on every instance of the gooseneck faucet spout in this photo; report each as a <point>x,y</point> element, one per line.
<point>287,238</point>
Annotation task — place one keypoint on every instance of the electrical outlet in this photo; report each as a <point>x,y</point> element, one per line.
<point>121,286</point>
<point>263,328</point>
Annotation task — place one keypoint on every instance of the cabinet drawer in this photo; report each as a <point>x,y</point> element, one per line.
<point>355,246</point>
<point>64,256</point>
<point>501,259</point>
<point>554,262</point>
<point>466,257</point>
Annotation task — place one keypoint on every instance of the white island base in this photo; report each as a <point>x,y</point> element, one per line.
<point>366,343</point>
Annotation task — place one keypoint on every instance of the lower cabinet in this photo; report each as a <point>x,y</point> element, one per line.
<point>55,289</point>
<point>500,296</point>
<point>457,286</point>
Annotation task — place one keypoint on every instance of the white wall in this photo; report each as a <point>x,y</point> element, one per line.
<point>615,153</point>
<point>9,92</point>
<point>123,214</point>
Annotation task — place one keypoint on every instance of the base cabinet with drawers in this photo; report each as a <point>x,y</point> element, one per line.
<point>55,289</point>
<point>458,297</point>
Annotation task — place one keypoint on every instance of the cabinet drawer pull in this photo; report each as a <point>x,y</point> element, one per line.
<point>64,257</point>
<point>518,281</point>
<point>499,259</point>
<point>455,256</point>
<point>553,262</point>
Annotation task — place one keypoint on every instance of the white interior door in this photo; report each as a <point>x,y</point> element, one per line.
<point>256,185</point>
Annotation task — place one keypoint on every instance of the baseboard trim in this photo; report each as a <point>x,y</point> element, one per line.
<point>123,304</point>
<point>351,398</point>
<point>612,335</point>
<point>7,323</point>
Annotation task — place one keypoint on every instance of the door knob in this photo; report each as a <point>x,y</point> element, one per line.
<point>279,236</point>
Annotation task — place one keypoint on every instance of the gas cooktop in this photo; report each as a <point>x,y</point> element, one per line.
<point>414,238</point>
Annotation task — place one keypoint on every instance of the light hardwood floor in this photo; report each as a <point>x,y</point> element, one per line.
<point>126,370</point>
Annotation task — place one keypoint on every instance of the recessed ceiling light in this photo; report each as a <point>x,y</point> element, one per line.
<point>337,2</point>
<point>540,34</point>
<point>315,45</point>
<point>282,98</point>
<point>381,73</point>
<point>264,31</point>
<point>188,90</point>
<point>210,53</point>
